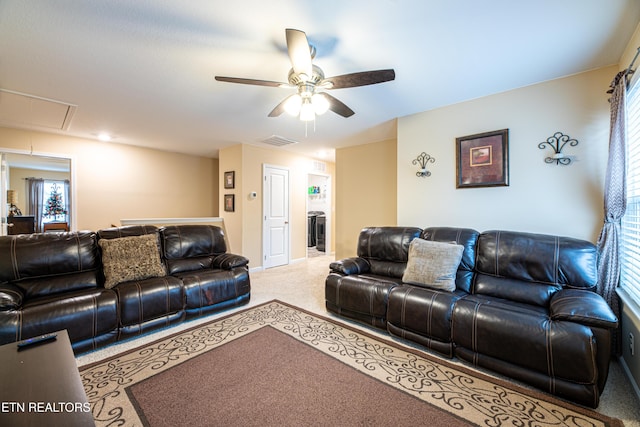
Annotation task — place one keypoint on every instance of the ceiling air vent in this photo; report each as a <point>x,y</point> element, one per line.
<point>278,141</point>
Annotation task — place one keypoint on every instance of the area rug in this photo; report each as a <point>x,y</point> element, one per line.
<point>276,364</point>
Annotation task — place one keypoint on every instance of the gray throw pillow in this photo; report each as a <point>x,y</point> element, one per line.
<point>433,264</point>
<point>130,258</point>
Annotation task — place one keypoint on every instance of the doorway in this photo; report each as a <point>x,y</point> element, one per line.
<point>17,165</point>
<point>318,215</point>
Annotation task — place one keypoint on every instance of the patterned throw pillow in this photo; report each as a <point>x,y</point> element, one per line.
<point>433,264</point>
<point>130,258</point>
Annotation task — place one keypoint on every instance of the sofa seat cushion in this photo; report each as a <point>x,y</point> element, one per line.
<point>433,264</point>
<point>423,315</point>
<point>526,336</point>
<point>144,300</point>
<point>130,258</point>
<point>210,287</point>
<point>85,314</point>
<point>362,297</point>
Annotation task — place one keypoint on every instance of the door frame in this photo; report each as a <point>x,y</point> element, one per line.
<point>72,181</point>
<point>265,234</point>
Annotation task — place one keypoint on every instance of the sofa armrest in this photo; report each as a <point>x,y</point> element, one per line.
<point>348,266</point>
<point>229,261</point>
<point>584,307</point>
<point>11,297</point>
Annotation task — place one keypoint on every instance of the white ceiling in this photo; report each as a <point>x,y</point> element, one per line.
<point>144,70</point>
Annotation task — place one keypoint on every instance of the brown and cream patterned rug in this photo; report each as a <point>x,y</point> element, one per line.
<point>276,364</point>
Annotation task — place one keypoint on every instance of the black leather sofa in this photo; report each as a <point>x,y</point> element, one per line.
<point>55,281</point>
<point>523,305</point>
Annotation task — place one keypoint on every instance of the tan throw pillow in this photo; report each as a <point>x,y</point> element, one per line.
<point>433,264</point>
<point>130,258</point>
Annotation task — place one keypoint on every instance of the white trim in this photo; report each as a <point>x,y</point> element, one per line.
<point>627,372</point>
<point>172,221</point>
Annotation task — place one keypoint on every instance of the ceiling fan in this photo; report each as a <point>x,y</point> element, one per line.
<point>311,97</point>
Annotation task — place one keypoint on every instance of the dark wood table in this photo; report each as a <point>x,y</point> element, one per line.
<point>40,386</point>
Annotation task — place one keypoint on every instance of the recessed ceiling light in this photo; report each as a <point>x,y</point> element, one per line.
<point>104,137</point>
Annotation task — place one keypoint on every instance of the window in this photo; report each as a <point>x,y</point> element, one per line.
<point>54,202</point>
<point>630,230</point>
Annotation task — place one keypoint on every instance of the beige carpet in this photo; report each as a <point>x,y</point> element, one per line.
<point>434,383</point>
<point>302,284</point>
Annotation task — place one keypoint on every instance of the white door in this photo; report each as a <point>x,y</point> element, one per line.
<point>276,216</point>
<point>4,211</point>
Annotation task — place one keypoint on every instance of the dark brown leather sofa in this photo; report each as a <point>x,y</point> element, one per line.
<point>524,304</point>
<point>55,281</point>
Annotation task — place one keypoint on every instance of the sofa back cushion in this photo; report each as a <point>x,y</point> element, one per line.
<point>466,237</point>
<point>126,231</point>
<point>49,263</point>
<point>530,268</point>
<point>386,248</point>
<point>191,247</point>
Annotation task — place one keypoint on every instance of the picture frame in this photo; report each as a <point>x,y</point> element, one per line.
<point>482,160</point>
<point>230,179</point>
<point>229,202</point>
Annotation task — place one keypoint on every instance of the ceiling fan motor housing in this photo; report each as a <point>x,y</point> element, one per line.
<point>317,75</point>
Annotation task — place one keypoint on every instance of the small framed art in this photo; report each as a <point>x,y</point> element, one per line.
<point>230,179</point>
<point>229,203</point>
<point>482,160</point>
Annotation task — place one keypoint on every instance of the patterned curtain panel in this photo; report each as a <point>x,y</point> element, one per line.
<point>615,201</point>
<point>35,202</point>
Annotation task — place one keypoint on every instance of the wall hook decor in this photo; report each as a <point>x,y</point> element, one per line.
<point>422,160</point>
<point>558,141</point>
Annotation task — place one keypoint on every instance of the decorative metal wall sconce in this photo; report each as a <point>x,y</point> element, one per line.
<point>422,160</point>
<point>558,141</point>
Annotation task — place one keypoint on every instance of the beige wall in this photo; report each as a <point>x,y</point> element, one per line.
<point>366,192</point>
<point>230,159</point>
<point>541,197</point>
<point>115,181</point>
<point>244,226</point>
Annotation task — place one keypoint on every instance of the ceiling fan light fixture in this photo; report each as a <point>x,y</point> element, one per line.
<point>293,105</point>
<point>320,103</point>
<point>307,112</point>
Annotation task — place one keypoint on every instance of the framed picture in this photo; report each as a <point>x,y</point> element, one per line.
<point>230,179</point>
<point>229,203</point>
<point>482,160</point>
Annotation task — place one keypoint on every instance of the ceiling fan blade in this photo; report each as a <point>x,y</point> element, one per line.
<point>299,51</point>
<point>251,81</point>
<point>363,78</point>
<point>338,106</point>
<point>280,107</point>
